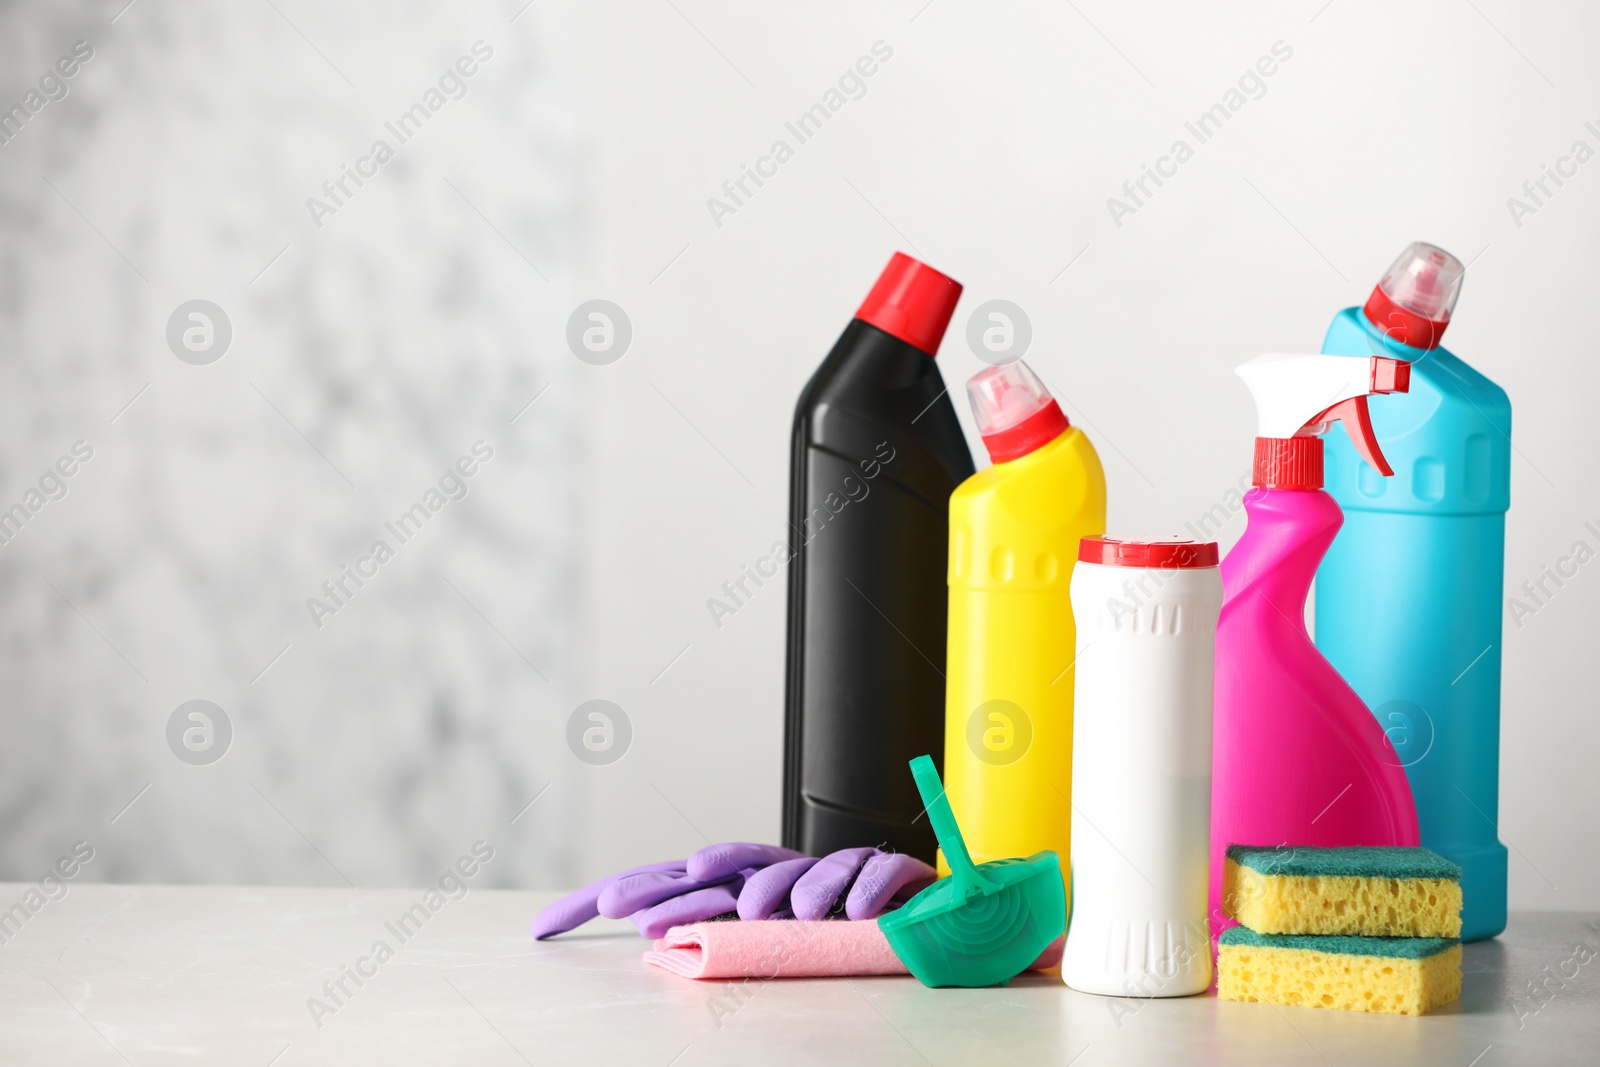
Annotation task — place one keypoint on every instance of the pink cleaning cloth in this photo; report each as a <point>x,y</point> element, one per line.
<point>787,948</point>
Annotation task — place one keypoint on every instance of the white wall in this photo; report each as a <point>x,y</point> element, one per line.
<point>989,144</point>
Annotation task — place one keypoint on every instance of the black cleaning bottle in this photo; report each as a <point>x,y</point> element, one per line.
<point>876,453</point>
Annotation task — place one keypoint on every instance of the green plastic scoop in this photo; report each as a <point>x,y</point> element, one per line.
<point>983,925</point>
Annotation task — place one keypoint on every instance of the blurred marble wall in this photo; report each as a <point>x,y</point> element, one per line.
<point>376,339</point>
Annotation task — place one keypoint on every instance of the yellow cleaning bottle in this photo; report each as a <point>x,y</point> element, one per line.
<point>1014,533</point>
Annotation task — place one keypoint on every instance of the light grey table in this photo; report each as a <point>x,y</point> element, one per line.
<point>148,975</point>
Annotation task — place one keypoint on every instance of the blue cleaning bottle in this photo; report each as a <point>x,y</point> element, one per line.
<point>1408,598</point>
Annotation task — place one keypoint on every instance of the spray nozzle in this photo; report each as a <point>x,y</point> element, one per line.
<point>1299,398</point>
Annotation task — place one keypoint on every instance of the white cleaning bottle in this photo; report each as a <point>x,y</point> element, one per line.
<point>1141,767</point>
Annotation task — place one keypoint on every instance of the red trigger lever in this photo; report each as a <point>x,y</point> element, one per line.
<point>1388,376</point>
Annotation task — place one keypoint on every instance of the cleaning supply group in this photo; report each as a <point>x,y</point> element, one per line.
<point>1309,823</point>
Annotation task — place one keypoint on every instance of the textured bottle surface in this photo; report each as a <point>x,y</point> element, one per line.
<point>1141,780</point>
<point>1297,758</point>
<point>1014,533</point>
<point>1409,599</point>
<point>876,452</point>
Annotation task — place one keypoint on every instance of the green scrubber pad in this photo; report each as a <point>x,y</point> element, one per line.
<point>1356,861</point>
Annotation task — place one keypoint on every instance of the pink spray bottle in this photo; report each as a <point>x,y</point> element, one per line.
<point>1297,758</point>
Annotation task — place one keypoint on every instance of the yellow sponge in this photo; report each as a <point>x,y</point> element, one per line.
<point>1365,892</point>
<point>1399,975</point>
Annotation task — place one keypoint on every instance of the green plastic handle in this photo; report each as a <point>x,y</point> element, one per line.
<point>967,879</point>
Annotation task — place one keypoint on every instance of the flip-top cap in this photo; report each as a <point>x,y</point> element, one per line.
<point>1014,410</point>
<point>1414,301</point>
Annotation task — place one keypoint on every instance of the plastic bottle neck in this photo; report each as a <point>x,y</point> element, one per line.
<point>1286,535</point>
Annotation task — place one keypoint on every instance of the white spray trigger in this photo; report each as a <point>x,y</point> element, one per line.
<point>1299,395</point>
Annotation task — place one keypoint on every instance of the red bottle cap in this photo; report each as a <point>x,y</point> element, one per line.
<point>1040,428</point>
<point>911,301</point>
<point>1287,463</point>
<point>1168,555</point>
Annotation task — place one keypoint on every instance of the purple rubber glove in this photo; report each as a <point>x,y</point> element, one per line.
<point>693,907</point>
<point>658,900</point>
<point>638,892</point>
<point>886,877</point>
<point>575,909</point>
<point>755,881</point>
<point>716,861</point>
<point>817,890</point>
<point>766,893</point>
<point>645,889</point>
